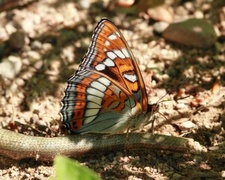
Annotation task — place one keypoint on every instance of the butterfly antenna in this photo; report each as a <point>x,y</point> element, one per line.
<point>182,82</point>
<point>156,105</point>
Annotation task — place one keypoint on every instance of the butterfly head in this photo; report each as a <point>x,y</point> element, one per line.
<point>153,108</point>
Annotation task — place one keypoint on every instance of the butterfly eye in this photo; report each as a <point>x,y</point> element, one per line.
<point>153,107</point>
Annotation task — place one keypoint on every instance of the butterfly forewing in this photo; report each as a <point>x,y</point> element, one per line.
<point>107,90</point>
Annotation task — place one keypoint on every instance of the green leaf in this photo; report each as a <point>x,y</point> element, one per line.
<point>71,170</point>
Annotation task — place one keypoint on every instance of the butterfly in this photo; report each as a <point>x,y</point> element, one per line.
<point>107,93</point>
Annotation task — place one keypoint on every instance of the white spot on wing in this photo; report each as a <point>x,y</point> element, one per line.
<point>108,62</point>
<point>92,91</point>
<point>94,97</point>
<point>112,37</point>
<point>92,113</point>
<point>125,52</point>
<point>119,54</point>
<point>99,86</point>
<point>107,43</point>
<point>100,67</point>
<point>130,77</point>
<point>111,55</point>
<point>104,81</point>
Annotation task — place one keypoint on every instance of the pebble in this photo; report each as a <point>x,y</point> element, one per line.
<point>20,82</point>
<point>223,174</point>
<point>160,13</point>
<point>192,32</point>
<point>3,34</point>
<point>125,4</point>
<point>160,26</point>
<point>28,26</point>
<point>17,40</point>
<point>9,28</point>
<point>186,125</point>
<point>36,45</point>
<point>10,67</point>
<point>199,14</point>
<point>33,55</point>
<point>47,47</point>
<point>189,6</point>
<point>84,4</point>
<point>38,64</point>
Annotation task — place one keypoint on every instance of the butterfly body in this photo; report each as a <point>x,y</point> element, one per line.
<point>107,93</point>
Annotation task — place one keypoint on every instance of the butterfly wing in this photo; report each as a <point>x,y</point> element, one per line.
<point>107,90</point>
